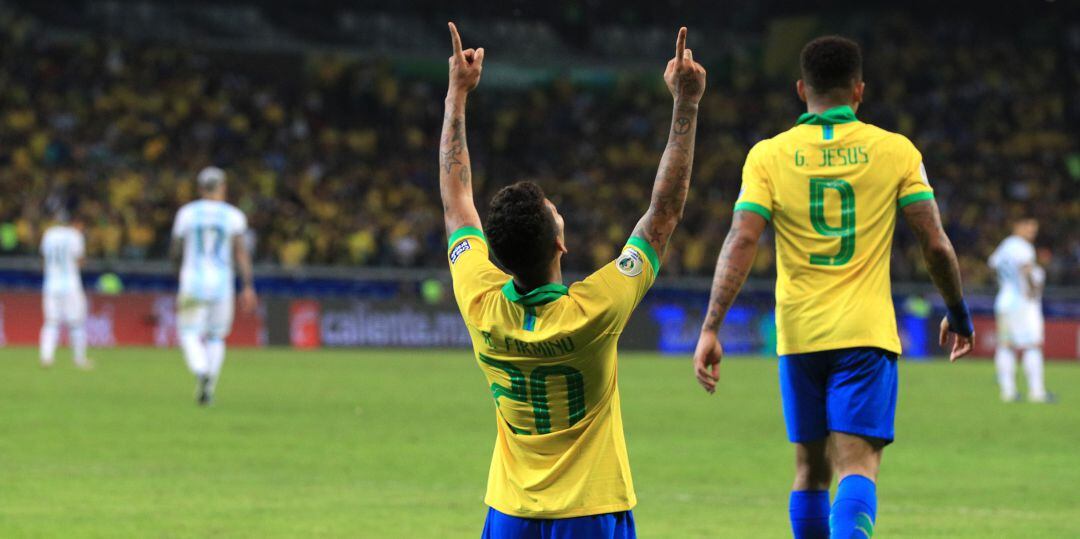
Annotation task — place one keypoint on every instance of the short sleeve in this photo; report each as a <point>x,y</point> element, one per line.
<point>1023,253</point>
<point>1038,276</point>
<point>180,224</point>
<point>756,194</point>
<point>78,245</point>
<point>471,268</point>
<point>995,258</point>
<point>914,183</point>
<point>613,292</point>
<point>238,224</point>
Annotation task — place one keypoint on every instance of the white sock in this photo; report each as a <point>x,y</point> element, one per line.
<point>1033,369</point>
<point>215,356</point>
<point>77,336</point>
<point>194,352</point>
<point>1005,360</point>
<point>50,337</point>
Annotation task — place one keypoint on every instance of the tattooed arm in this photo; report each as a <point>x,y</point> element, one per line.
<point>732,266</point>
<point>686,80</point>
<point>925,220</point>
<point>455,173</point>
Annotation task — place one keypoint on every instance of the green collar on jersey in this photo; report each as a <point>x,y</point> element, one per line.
<point>538,296</point>
<point>835,115</point>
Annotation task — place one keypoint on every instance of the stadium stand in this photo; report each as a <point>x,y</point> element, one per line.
<point>333,154</point>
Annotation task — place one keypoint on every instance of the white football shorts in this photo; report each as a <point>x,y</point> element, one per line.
<point>209,319</point>
<point>1021,327</point>
<point>64,307</point>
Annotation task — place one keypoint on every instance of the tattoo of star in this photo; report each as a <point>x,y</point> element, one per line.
<point>449,157</point>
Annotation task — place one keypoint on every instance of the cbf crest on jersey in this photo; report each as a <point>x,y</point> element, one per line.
<point>630,263</point>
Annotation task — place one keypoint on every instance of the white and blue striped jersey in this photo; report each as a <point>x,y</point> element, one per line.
<point>208,229</point>
<point>62,247</point>
<point>1010,260</point>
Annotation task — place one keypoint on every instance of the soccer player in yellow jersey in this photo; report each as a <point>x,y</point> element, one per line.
<point>548,351</point>
<point>832,187</point>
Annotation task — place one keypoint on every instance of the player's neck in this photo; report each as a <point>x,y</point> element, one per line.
<point>818,106</point>
<point>553,275</point>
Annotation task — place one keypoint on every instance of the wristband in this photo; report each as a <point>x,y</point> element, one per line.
<point>960,319</point>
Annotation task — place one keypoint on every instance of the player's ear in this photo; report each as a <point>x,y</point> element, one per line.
<point>800,89</point>
<point>859,88</point>
<point>560,245</point>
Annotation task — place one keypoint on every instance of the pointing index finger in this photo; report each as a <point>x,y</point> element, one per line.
<point>680,45</point>
<point>456,40</point>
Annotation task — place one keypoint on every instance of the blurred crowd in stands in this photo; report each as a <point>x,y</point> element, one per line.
<point>334,160</point>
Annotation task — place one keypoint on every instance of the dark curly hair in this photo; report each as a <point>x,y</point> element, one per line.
<point>521,229</point>
<point>831,63</point>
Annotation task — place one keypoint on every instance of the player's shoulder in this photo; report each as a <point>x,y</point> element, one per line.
<point>1006,248</point>
<point>636,267</point>
<point>234,218</point>
<point>49,236</point>
<point>1015,250</point>
<point>1018,244</point>
<point>234,211</point>
<point>763,150</point>
<point>767,145</point>
<point>188,207</point>
<point>189,215</point>
<point>781,143</point>
<point>885,138</point>
<point>60,232</point>
<point>593,294</point>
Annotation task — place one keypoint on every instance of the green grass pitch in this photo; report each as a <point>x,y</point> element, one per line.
<point>395,444</point>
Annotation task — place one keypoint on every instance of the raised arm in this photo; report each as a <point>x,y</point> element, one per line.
<point>732,267</point>
<point>925,221</point>
<point>455,173</point>
<point>686,80</point>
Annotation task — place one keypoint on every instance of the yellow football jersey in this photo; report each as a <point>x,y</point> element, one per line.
<point>831,186</point>
<point>549,357</point>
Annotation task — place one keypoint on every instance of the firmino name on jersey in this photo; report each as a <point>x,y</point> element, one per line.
<point>552,348</point>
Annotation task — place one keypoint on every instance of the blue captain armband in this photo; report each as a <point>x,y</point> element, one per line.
<point>960,319</point>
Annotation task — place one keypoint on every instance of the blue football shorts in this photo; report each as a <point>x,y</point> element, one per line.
<point>852,390</point>
<point>606,526</point>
